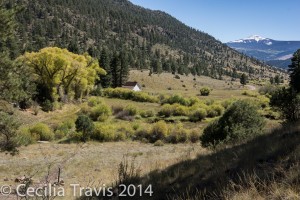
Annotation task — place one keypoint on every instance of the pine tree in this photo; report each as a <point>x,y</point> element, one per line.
<point>277,79</point>
<point>294,68</point>
<point>243,79</point>
<point>115,68</point>
<point>272,80</point>
<point>106,80</point>
<point>124,70</point>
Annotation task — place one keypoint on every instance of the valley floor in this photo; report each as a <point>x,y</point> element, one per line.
<point>92,163</point>
<point>95,163</point>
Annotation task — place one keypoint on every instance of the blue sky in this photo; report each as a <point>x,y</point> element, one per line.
<point>229,20</point>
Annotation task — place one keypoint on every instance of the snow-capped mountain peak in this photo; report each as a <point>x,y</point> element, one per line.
<point>252,38</point>
<point>266,49</point>
<point>256,38</point>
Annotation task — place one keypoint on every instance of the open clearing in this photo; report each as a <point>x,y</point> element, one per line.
<point>91,163</point>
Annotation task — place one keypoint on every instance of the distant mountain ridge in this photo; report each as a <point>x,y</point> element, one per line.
<point>266,49</point>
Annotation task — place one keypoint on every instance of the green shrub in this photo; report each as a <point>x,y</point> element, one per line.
<point>166,110</point>
<point>64,129</point>
<point>76,136</point>
<point>287,101</point>
<point>127,94</point>
<point>98,91</point>
<point>142,134</point>
<point>159,143</point>
<point>100,113</point>
<point>194,101</point>
<point>268,89</point>
<point>197,115</point>
<point>176,99</point>
<point>205,91</point>
<point>194,136</point>
<point>211,113</point>
<point>94,101</point>
<point>176,109</point>
<point>25,104</point>
<point>270,114</point>
<point>226,103</point>
<point>43,132</point>
<point>85,109</point>
<point>120,136</point>
<point>146,114</point>
<point>178,134</point>
<point>25,137</point>
<point>59,134</point>
<point>132,110</point>
<point>126,131</point>
<point>135,126</point>
<point>263,101</point>
<point>198,105</point>
<point>215,110</point>
<point>212,134</point>
<point>57,105</point>
<point>240,121</point>
<point>159,131</point>
<point>8,128</point>
<point>84,125</point>
<point>250,93</point>
<point>179,110</point>
<point>117,109</point>
<point>209,102</point>
<point>104,132</point>
<point>47,106</point>
<point>218,108</point>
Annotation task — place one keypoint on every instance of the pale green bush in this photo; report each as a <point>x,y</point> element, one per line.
<point>205,91</point>
<point>42,131</point>
<point>104,132</point>
<point>100,113</point>
<point>159,131</point>
<point>197,115</point>
<point>94,101</point>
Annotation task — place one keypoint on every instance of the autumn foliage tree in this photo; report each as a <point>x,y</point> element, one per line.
<point>60,74</point>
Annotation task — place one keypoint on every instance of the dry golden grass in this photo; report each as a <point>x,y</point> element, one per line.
<point>161,84</point>
<point>68,111</point>
<point>91,163</point>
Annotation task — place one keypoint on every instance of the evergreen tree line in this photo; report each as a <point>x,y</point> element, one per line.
<point>90,25</point>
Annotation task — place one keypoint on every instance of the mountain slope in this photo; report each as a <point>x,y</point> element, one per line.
<point>266,49</point>
<point>153,39</point>
<point>280,63</point>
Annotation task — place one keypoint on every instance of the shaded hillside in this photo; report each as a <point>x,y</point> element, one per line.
<point>280,63</point>
<point>264,168</point>
<point>153,39</point>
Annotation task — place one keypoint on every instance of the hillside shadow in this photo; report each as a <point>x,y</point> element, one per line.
<point>208,175</point>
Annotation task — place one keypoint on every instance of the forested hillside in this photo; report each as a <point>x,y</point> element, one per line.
<point>146,39</point>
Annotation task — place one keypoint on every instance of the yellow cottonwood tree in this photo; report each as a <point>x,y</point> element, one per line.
<point>65,75</point>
